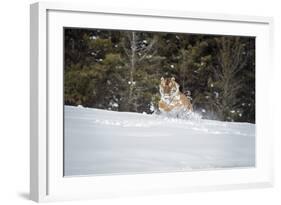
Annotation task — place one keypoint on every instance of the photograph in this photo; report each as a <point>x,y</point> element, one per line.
<point>140,102</point>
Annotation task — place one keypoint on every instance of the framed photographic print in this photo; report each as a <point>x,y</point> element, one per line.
<point>128,102</point>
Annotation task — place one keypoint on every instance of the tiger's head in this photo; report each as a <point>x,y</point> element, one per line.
<point>168,88</point>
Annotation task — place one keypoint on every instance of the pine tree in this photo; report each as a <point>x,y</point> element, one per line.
<point>136,49</point>
<point>231,59</point>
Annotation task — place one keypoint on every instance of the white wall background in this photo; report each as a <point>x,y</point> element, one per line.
<point>14,102</point>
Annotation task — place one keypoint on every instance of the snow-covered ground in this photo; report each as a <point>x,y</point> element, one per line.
<point>107,142</point>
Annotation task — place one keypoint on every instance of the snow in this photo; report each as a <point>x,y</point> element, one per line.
<point>131,82</point>
<point>94,37</point>
<point>216,94</point>
<point>108,142</point>
<point>151,108</point>
<point>114,104</point>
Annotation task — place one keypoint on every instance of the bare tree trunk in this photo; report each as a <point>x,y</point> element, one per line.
<point>132,67</point>
<point>132,50</point>
<point>231,60</point>
<point>183,69</point>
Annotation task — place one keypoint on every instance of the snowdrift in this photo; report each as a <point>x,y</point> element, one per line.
<point>107,142</point>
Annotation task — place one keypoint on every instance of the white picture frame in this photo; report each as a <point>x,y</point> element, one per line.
<point>46,179</point>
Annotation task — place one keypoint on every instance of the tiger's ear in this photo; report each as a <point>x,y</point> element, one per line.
<point>173,79</point>
<point>162,79</point>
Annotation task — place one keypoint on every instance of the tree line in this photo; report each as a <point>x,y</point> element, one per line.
<point>121,70</point>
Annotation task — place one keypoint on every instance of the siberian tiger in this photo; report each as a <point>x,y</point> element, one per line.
<point>173,102</point>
